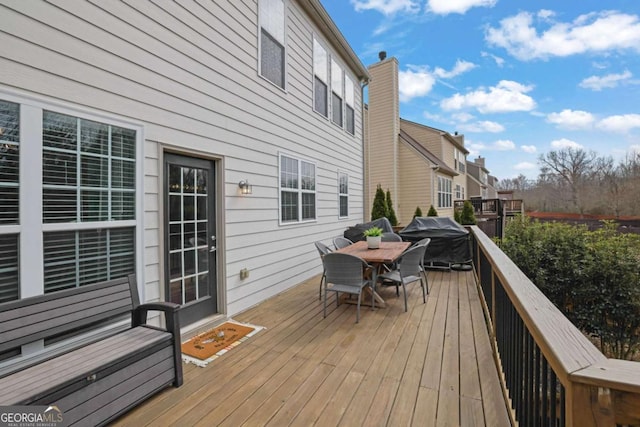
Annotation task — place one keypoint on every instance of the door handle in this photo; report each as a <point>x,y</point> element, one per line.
<point>212,249</point>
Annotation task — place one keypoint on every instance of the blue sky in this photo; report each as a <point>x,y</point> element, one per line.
<point>517,78</point>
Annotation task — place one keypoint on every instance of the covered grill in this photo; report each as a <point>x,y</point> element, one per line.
<point>449,240</point>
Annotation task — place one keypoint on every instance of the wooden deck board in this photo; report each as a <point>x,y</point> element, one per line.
<point>430,366</point>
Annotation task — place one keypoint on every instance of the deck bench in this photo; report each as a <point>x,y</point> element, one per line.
<point>97,381</point>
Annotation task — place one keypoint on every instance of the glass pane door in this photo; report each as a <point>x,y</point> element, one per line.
<point>190,236</point>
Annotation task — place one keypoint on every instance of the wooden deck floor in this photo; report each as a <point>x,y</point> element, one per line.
<point>430,366</point>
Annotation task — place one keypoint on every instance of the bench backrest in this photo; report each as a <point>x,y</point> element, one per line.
<point>31,319</point>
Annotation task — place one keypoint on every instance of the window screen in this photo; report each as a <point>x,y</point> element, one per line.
<point>320,70</point>
<point>349,99</point>
<point>272,41</point>
<point>343,194</point>
<point>77,258</point>
<point>88,170</point>
<point>337,91</point>
<point>9,268</point>
<point>297,190</point>
<point>9,162</point>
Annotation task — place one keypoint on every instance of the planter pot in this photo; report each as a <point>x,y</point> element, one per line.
<point>373,242</point>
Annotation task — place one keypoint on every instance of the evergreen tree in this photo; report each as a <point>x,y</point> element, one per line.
<point>457,216</point>
<point>467,217</point>
<point>391,214</point>
<point>418,212</point>
<point>432,211</point>
<point>379,208</point>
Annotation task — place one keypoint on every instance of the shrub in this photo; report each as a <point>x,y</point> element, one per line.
<point>379,208</point>
<point>391,214</point>
<point>418,212</point>
<point>592,277</point>
<point>432,211</point>
<point>467,216</point>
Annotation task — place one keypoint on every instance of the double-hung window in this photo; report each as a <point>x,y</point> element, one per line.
<point>458,192</point>
<point>337,93</point>
<point>9,200</point>
<point>89,177</point>
<point>81,223</point>
<point>320,79</point>
<point>444,192</point>
<point>343,194</point>
<point>458,160</point>
<point>349,98</point>
<point>272,41</point>
<point>297,190</point>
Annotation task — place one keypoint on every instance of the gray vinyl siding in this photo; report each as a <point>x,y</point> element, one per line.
<point>187,70</point>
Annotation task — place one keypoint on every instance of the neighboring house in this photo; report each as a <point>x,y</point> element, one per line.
<point>127,127</point>
<point>479,182</point>
<point>420,165</point>
<point>492,190</point>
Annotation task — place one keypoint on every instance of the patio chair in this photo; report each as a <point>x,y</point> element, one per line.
<point>344,273</point>
<point>341,242</point>
<point>408,271</point>
<point>424,242</point>
<point>391,237</point>
<point>322,250</point>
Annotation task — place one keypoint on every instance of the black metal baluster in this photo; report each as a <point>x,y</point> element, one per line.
<point>545,393</point>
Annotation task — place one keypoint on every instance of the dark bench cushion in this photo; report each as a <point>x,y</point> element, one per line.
<point>49,381</point>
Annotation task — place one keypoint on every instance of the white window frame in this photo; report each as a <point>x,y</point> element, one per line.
<point>280,37</point>
<point>337,87</point>
<point>326,81</point>
<point>342,195</point>
<point>349,101</point>
<point>299,190</point>
<point>458,192</point>
<point>445,196</point>
<point>32,226</point>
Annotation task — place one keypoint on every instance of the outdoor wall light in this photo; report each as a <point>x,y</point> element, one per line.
<point>245,187</point>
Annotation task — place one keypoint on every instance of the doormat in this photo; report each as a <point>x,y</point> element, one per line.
<point>209,345</point>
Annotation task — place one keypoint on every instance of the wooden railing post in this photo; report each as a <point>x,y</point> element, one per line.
<point>589,406</point>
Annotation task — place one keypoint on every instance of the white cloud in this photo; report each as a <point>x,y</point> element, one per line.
<point>620,123</point>
<point>444,7</point>
<point>598,83</point>
<point>595,32</point>
<point>529,148</point>
<point>504,145</point>
<point>482,126</point>
<point>546,14</point>
<point>418,80</point>
<point>565,143</point>
<point>635,148</point>
<point>462,117</point>
<point>499,61</point>
<point>414,84</point>
<point>387,7</point>
<point>572,119</point>
<point>524,166</point>
<point>460,68</point>
<point>506,96</point>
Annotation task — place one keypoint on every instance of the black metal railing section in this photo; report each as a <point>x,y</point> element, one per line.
<point>536,395</point>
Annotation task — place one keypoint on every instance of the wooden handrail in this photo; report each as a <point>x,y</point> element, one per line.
<point>599,391</point>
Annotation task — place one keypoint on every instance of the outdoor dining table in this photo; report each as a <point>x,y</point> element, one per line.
<point>387,253</point>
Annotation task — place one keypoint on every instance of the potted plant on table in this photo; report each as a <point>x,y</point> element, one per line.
<point>374,236</point>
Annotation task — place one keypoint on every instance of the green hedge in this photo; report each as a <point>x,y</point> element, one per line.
<point>593,277</point>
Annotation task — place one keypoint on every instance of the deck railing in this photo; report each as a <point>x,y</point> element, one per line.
<point>552,374</point>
